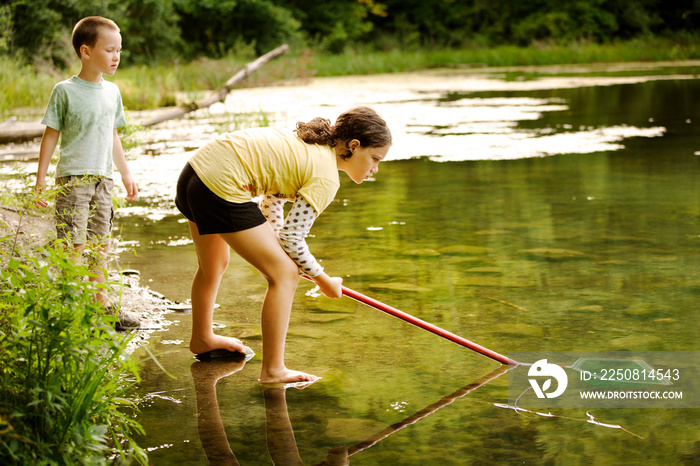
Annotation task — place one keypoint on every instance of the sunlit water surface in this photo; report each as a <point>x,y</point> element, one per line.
<point>524,209</point>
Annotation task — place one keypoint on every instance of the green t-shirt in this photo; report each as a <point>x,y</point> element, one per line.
<point>85,113</point>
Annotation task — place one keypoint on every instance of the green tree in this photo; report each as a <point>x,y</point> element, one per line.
<point>445,23</point>
<point>566,22</point>
<point>150,31</point>
<point>41,29</point>
<point>215,27</point>
<point>334,25</point>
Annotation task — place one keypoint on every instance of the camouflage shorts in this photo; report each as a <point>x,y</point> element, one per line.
<point>84,209</point>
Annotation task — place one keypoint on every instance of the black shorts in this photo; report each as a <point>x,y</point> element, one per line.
<point>211,213</point>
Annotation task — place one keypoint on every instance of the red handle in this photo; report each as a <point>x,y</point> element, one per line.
<point>427,326</point>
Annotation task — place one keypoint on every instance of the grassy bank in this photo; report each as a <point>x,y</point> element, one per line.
<point>145,87</point>
<point>66,380</point>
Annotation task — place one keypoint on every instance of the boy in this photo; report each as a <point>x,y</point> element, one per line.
<point>86,111</point>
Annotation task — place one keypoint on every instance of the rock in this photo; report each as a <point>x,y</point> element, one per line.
<point>463,249</point>
<point>640,310</point>
<point>665,320</point>
<point>640,342</point>
<point>424,252</point>
<point>551,253</point>
<point>327,318</point>
<point>591,308</point>
<point>180,307</point>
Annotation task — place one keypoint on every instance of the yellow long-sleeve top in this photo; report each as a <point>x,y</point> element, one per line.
<point>276,165</point>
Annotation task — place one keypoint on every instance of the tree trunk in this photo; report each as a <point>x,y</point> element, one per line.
<point>220,94</point>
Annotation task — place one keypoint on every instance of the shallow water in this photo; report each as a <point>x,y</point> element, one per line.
<point>524,209</point>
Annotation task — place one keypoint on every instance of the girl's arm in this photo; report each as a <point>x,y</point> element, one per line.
<point>132,192</point>
<point>292,234</point>
<point>273,210</point>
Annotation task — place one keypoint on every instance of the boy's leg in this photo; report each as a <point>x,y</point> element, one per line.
<point>72,208</point>
<point>260,247</point>
<point>99,230</point>
<point>212,256</point>
<point>72,211</point>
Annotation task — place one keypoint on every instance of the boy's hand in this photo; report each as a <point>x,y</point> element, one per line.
<point>132,191</point>
<point>39,190</point>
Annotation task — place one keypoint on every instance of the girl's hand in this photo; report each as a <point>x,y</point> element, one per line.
<point>331,287</point>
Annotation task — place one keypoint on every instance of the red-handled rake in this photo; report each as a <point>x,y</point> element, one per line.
<point>359,297</point>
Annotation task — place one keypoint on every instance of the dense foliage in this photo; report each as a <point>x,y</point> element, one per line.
<point>63,377</point>
<point>153,30</point>
<point>66,379</point>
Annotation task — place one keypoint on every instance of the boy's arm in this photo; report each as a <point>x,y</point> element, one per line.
<point>132,192</point>
<point>49,141</point>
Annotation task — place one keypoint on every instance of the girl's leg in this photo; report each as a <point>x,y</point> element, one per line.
<point>212,255</point>
<point>260,247</point>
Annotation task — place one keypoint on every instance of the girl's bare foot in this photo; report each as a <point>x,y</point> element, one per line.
<point>210,372</point>
<point>286,376</point>
<point>215,342</point>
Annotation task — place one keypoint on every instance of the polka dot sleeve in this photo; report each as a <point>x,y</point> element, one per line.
<point>273,210</point>
<point>293,231</point>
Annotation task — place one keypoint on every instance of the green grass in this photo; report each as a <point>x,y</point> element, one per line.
<point>147,87</point>
<point>64,376</point>
<point>66,380</point>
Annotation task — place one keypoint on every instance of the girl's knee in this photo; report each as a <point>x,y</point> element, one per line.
<point>214,268</point>
<point>287,273</point>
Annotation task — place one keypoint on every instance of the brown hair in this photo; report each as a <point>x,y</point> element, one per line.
<point>361,123</point>
<point>87,31</point>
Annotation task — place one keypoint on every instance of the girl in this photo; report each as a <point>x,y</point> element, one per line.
<point>215,192</point>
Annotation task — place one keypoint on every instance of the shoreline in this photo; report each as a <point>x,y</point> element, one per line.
<point>34,230</point>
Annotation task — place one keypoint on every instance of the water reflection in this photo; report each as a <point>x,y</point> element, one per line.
<point>205,375</point>
<point>279,433</point>
<point>281,444</point>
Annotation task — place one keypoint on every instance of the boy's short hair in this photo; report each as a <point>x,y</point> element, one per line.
<point>87,30</point>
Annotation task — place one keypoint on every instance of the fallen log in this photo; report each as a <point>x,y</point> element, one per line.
<point>15,131</point>
<point>220,94</point>
<point>19,131</point>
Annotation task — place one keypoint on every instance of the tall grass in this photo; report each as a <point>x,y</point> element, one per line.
<point>147,87</point>
<point>63,374</point>
<point>64,371</point>
<point>21,86</point>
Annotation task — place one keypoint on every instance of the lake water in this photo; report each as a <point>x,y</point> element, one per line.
<point>526,209</point>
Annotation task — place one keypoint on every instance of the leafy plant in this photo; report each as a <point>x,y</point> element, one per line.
<point>64,371</point>
<point>64,374</point>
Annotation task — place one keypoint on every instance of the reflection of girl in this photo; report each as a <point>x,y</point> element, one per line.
<point>215,192</point>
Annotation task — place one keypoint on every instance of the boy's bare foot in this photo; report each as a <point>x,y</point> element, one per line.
<point>215,342</point>
<point>286,376</point>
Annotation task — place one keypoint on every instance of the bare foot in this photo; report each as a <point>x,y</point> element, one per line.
<point>215,342</point>
<point>286,376</point>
